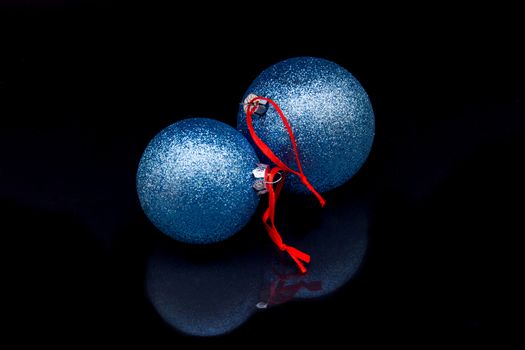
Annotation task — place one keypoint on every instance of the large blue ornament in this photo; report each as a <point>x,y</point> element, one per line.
<point>195,181</point>
<point>330,114</point>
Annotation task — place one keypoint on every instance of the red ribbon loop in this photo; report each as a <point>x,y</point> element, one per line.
<point>252,107</point>
<point>273,194</point>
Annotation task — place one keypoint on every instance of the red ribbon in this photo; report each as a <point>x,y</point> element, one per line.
<point>268,152</point>
<point>269,215</point>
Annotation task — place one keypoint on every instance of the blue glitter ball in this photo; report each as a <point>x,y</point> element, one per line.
<point>195,181</point>
<point>330,114</point>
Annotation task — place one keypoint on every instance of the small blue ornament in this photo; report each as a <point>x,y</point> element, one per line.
<point>194,181</point>
<point>329,112</point>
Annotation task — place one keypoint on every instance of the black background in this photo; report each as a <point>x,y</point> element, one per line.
<point>84,87</point>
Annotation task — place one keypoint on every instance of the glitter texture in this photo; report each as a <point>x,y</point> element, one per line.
<point>330,114</point>
<point>195,180</point>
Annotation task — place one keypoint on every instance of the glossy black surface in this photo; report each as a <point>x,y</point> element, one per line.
<point>435,209</point>
<point>214,290</point>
